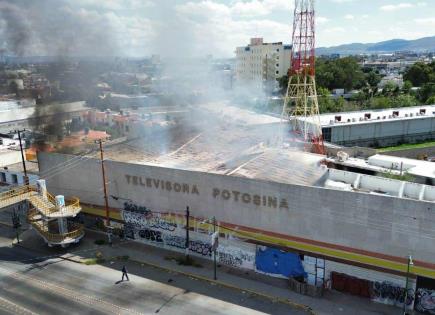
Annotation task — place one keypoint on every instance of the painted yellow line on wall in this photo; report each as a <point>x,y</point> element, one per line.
<point>310,248</point>
<point>336,253</point>
<point>116,215</point>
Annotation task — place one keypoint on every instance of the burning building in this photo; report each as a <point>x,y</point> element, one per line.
<point>220,162</point>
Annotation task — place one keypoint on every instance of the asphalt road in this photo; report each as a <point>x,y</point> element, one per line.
<point>33,284</point>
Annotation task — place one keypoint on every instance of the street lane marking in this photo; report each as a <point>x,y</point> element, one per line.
<point>86,299</point>
<point>14,308</point>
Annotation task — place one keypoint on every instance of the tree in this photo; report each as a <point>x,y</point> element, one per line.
<point>380,102</point>
<point>372,78</point>
<point>390,89</point>
<point>404,100</point>
<point>326,104</point>
<point>407,86</point>
<point>419,73</point>
<point>426,92</point>
<point>339,73</point>
<point>431,100</point>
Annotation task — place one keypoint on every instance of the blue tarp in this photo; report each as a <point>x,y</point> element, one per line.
<point>275,261</point>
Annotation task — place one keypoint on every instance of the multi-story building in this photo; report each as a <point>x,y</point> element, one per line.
<point>260,64</point>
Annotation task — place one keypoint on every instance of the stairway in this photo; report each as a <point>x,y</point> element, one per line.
<point>44,205</point>
<point>45,212</point>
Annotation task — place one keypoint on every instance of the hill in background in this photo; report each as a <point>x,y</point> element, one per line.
<point>418,45</point>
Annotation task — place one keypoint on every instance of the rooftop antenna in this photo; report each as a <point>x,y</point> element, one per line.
<point>301,106</point>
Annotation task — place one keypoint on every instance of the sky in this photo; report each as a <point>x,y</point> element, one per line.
<point>196,27</point>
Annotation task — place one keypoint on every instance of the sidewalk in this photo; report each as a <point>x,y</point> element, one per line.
<point>248,281</point>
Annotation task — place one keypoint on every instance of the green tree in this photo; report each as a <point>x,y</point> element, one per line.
<point>404,100</point>
<point>431,100</point>
<point>380,102</point>
<point>339,73</point>
<point>419,73</point>
<point>426,92</point>
<point>326,103</point>
<point>372,78</point>
<point>390,89</point>
<point>407,86</point>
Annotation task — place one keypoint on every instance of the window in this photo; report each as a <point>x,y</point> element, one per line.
<point>277,64</point>
<point>277,72</point>
<point>3,177</point>
<point>14,179</point>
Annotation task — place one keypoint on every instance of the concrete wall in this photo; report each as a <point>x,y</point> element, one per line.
<point>384,133</point>
<point>8,157</point>
<point>387,225</point>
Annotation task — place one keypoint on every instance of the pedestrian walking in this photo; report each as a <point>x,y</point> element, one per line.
<point>124,273</point>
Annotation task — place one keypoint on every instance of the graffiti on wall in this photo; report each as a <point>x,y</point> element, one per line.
<point>425,301</point>
<point>236,257</point>
<point>389,293</point>
<point>175,241</point>
<point>162,224</point>
<point>195,246</point>
<point>129,231</point>
<point>131,207</point>
<point>141,217</point>
<point>144,225</point>
<point>150,235</point>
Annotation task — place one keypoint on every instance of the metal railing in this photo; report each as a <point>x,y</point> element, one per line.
<point>75,230</point>
<point>46,207</point>
<point>17,191</point>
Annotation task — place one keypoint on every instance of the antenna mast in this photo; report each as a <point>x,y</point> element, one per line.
<point>301,107</point>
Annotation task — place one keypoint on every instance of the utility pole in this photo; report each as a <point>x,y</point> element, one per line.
<point>214,252</point>
<point>26,179</point>
<point>16,224</point>
<point>187,234</point>
<point>106,201</point>
<point>410,263</point>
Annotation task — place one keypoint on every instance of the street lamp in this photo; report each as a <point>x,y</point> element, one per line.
<point>410,263</point>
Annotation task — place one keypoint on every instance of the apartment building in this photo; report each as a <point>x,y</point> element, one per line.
<point>260,64</point>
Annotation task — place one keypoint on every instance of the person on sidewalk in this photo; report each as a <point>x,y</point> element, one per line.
<point>124,273</point>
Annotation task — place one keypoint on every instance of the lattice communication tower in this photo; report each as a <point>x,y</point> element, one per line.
<point>301,107</point>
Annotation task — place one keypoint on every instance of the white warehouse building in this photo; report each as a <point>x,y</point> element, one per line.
<point>379,128</point>
<point>260,64</point>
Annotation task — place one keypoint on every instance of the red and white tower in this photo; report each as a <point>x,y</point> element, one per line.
<point>301,107</point>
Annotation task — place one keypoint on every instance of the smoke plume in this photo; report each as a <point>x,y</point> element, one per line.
<point>15,32</point>
<point>55,28</point>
